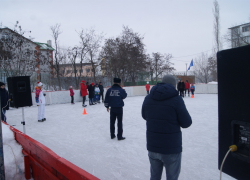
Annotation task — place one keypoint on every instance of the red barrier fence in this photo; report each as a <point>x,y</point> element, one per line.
<point>41,163</point>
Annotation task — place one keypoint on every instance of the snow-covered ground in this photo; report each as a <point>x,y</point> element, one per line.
<point>84,140</point>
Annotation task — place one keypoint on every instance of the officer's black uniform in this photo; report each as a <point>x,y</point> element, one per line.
<point>114,99</point>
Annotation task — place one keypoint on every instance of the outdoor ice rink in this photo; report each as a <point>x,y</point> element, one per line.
<point>85,140</point>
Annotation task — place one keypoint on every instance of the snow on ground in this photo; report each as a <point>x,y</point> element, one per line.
<point>84,140</point>
<point>13,157</point>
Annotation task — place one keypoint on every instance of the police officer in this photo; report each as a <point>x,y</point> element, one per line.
<point>114,99</point>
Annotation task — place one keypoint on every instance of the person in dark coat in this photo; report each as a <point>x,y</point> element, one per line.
<point>178,87</point>
<point>101,90</point>
<point>114,99</point>
<point>165,113</point>
<point>91,89</point>
<point>181,87</point>
<point>4,101</point>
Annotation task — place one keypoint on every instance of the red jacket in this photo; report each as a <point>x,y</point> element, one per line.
<point>187,85</point>
<point>147,87</point>
<point>71,92</point>
<point>84,91</point>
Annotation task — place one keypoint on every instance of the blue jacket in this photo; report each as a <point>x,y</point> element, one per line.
<point>114,96</point>
<point>165,113</point>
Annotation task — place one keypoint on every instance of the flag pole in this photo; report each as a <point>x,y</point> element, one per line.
<point>186,69</point>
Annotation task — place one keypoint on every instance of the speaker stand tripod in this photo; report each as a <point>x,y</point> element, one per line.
<point>23,122</point>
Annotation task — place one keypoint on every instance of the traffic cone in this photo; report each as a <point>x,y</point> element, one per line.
<point>192,96</point>
<point>84,111</point>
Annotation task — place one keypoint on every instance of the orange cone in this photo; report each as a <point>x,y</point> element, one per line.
<point>84,111</point>
<point>192,96</point>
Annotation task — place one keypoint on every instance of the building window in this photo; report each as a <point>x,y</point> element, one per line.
<point>87,70</point>
<point>246,28</point>
<point>81,70</point>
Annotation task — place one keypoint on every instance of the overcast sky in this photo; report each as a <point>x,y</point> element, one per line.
<point>183,28</point>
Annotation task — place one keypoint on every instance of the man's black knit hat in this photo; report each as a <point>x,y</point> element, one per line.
<point>1,83</point>
<point>117,80</point>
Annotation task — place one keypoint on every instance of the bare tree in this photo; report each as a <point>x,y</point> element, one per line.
<point>201,69</point>
<point>83,48</point>
<point>124,56</point>
<point>160,64</point>
<point>58,56</point>
<point>216,13</point>
<point>73,53</point>
<point>93,46</point>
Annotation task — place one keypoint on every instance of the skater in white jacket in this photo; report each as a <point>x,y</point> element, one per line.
<point>40,100</point>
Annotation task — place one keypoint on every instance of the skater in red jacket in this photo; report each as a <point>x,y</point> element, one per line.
<point>83,92</point>
<point>187,88</point>
<point>147,87</point>
<point>71,94</point>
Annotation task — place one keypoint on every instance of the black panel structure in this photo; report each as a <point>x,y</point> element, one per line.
<point>19,91</point>
<point>234,110</point>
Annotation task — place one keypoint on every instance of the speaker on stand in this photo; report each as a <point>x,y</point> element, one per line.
<point>20,93</point>
<point>234,110</point>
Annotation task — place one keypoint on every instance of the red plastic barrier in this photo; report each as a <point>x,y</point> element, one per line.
<point>45,164</point>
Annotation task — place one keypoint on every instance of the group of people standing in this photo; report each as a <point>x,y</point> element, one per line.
<point>185,87</point>
<point>94,92</point>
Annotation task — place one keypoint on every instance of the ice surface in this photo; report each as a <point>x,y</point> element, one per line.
<point>84,140</point>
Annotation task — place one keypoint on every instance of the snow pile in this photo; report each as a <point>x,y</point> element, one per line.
<point>13,157</point>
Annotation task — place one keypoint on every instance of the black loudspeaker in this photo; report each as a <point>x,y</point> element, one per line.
<point>19,91</point>
<point>234,110</point>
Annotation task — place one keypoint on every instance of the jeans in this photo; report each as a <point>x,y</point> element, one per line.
<point>91,101</point>
<point>171,162</point>
<point>72,99</point>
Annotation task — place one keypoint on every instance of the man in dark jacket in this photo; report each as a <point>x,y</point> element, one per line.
<point>101,90</point>
<point>181,87</point>
<point>4,101</point>
<point>114,99</point>
<point>91,90</point>
<point>165,113</point>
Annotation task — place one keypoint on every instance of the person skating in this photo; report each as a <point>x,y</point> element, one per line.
<point>147,87</point>
<point>84,93</point>
<point>165,113</point>
<point>4,101</point>
<point>187,88</point>
<point>192,89</point>
<point>178,87</point>
<point>40,100</point>
<point>71,94</point>
<point>181,87</point>
<point>91,90</point>
<point>114,99</point>
<point>97,94</point>
<point>101,90</point>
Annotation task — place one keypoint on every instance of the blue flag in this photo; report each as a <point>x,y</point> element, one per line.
<point>191,64</point>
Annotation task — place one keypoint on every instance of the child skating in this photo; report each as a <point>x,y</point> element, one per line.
<point>71,94</point>
<point>97,94</point>
<point>192,89</point>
